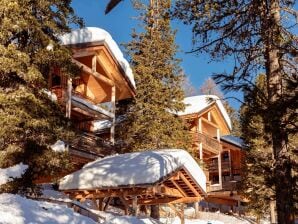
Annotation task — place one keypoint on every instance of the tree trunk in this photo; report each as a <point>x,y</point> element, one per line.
<point>282,167</point>
<point>154,213</point>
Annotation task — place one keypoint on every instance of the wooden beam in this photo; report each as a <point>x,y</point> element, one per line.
<point>196,193</point>
<point>171,192</point>
<point>94,64</point>
<point>167,200</point>
<point>103,66</point>
<point>97,75</point>
<point>179,188</point>
<point>82,53</point>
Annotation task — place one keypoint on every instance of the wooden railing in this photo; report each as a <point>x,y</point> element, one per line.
<point>92,144</point>
<point>208,142</point>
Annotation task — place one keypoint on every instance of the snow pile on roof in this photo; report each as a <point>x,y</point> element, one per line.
<point>138,168</point>
<point>15,209</point>
<point>233,140</point>
<point>59,146</point>
<point>196,104</point>
<point>8,174</point>
<point>94,34</point>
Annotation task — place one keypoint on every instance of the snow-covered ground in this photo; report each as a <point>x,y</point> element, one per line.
<point>8,174</point>
<point>15,209</point>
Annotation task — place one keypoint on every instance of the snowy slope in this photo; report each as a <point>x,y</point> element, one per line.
<point>15,209</point>
<point>133,169</point>
<point>98,35</point>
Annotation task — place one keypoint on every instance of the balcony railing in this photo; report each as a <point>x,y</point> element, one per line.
<point>208,142</point>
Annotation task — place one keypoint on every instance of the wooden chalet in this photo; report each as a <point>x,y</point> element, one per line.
<point>90,98</point>
<point>209,126</point>
<point>144,178</point>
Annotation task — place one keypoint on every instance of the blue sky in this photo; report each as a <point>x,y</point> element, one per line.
<point>119,23</point>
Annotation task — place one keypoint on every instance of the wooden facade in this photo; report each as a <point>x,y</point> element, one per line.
<point>91,97</point>
<point>220,159</point>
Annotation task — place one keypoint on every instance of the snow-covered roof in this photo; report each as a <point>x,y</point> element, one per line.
<point>8,174</point>
<point>233,140</point>
<point>196,104</point>
<point>98,35</point>
<point>129,169</point>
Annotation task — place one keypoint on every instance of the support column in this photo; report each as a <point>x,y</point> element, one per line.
<point>219,170</point>
<point>200,126</point>
<point>272,212</point>
<point>68,98</point>
<point>209,116</point>
<point>113,101</point>
<point>230,164</point>
<point>218,134</point>
<point>135,206</point>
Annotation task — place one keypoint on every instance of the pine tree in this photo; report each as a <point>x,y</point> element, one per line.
<point>151,122</point>
<point>257,184</point>
<point>29,120</point>
<point>259,36</point>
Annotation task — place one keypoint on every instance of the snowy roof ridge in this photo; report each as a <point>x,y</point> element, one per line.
<point>139,168</point>
<point>95,34</point>
<point>196,104</point>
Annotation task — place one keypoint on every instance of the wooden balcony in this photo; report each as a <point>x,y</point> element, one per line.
<point>210,144</point>
<point>81,104</point>
<point>88,147</point>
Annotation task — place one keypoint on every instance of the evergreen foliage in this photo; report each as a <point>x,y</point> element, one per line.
<point>29,120</point>
<point>259,181</point>
<point>150,121</point>
<point>257,184</point>
<point>258,35</point>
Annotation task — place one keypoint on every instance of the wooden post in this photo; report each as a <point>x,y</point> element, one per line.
<point>100,204</point>
<point>200,125</point>
<point>135,206</point>
<point>230,164</point>
<point>68,98</point>
<point>107,204</point>
<point>218,134</point>
<point>219,170</point>
<point>180,213</point>
<point>209,116</point>
<point>113,101</point>
<point>201,150</point>
<point>196,210</point>
<point>272,212</point>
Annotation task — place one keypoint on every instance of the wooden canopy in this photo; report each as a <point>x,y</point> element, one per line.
<point>178,187</point>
